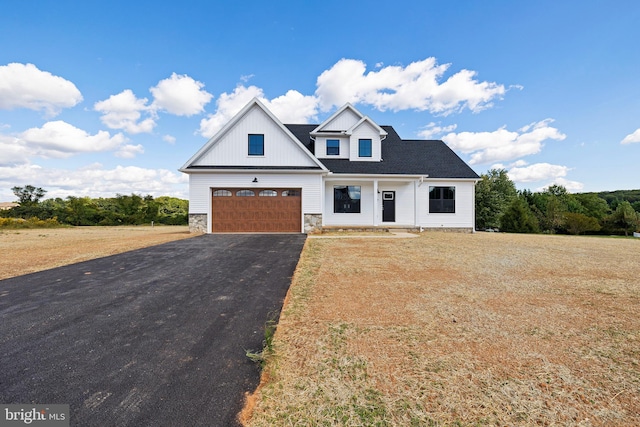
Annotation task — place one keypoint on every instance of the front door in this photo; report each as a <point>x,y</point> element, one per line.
<point>388,206</point>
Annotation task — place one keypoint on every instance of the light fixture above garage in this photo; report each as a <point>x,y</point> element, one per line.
<point>255,180</point>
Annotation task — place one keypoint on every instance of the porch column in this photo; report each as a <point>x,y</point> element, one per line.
<point>375,202</point>
<point>415,203</point>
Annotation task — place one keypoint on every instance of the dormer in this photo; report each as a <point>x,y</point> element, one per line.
<point>348,134</point>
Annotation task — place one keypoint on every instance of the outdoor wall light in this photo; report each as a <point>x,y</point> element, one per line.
<point>255,180</point>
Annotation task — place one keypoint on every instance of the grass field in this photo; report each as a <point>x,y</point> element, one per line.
<point>28,251</point>
<point>457,330</point>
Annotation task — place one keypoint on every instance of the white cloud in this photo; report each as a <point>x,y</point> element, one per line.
<point>537,172</point>
<point>123,111</point>
<point>59,139</point>
<point>180,95</point>
<point>519,172</point>
<point>228,104</point>
<point>571,186</point>
<point>416,86</point>
<point>93,181</point>
<point>129,151</point>
<point>25,86</point>
<point>501,144</point>
<point>170,139</point>
<point>293,107</point>
<point>632,137</point>
<point>433,130</point>
<point>12,151</point>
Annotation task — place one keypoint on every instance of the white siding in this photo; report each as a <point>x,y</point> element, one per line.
<point>342,121</point>
<point>232,148</point>
<point>405,210</point>
<point>200,185</point>
<point>464,215</point>
<point>321,148</point>
<point>365,131</point>
<point>365,217</point>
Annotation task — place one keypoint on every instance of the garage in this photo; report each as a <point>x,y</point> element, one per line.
<point>256,210</point>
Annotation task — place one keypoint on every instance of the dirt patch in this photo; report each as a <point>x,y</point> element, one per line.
<point>459,329</point>
<point>28,251</point>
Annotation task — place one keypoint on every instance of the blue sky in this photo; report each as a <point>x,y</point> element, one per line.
<point>99,98</point>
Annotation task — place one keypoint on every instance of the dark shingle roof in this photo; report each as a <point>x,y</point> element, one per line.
<point>407,157</point>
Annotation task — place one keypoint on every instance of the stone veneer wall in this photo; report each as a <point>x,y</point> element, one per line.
<point>198,223</point>
<point>449,229</point>
<point>312,223</point>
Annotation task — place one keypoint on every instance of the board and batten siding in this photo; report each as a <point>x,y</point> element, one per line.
<point>365,131</point>
<point>200,185</point>
<point>232,147</point>
<point>464,217</point>
<point>321,148</point>
<point>343,121</point>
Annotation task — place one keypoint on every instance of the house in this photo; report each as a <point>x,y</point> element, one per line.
<point>259,175</point>
<point>5,206</point>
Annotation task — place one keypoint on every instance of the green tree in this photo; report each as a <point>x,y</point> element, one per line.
<point>173,211</point>
<point>577,223</point>
<point>593,205</point>
<point>626,218</point>
<point>28,199</point>
<point>494,193</point>
<point>80,211</point>
<point>28,195</point>
<point>518,217</point>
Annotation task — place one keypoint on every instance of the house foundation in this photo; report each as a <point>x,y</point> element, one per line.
<point>197,223</point>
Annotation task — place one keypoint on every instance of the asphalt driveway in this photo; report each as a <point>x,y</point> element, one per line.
<point>155,336</point>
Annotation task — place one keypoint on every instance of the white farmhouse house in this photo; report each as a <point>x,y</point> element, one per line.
<point>259,175</point>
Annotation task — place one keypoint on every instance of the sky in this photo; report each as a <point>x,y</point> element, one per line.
<point>106,98</point>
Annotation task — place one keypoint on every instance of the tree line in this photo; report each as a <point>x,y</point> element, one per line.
<point>122,209</point>
<point>554,210</point>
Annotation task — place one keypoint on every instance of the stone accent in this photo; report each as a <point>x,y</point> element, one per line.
<point>312,223</point>
<point>198,223</point>
<point>449,229</point>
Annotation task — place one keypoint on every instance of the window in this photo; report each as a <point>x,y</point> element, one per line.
<point>268,193</point>
<point>333,147</point>
<point>222,193</point>
<point>364,148</point>
<point>256,145</point>
<point>442,199</point>
<point>291,193</point>
<point>346,199</point>
<point>245,193</point>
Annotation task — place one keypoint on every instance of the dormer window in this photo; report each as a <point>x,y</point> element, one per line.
<point>364,148</point>
<point>333,147</point>
<point>256,144</point>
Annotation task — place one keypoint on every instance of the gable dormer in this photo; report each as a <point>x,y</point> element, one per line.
<point>348,134</point>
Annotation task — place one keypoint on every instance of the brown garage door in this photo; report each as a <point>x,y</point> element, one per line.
<point>256,210</point>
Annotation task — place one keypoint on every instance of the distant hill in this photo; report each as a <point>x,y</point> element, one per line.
<point>631,196</point>
<point>614,197</point>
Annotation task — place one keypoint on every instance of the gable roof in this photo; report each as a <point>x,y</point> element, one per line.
<point>255,103</point>
<point>432,158</point>
<point>323,127</point>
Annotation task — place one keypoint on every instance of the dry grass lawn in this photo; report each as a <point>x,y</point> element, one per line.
<point>458,330</point>
<point>28,251</point>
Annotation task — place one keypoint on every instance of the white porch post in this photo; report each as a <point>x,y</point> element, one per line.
<point>416,210</point>
<point>375,202</point>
